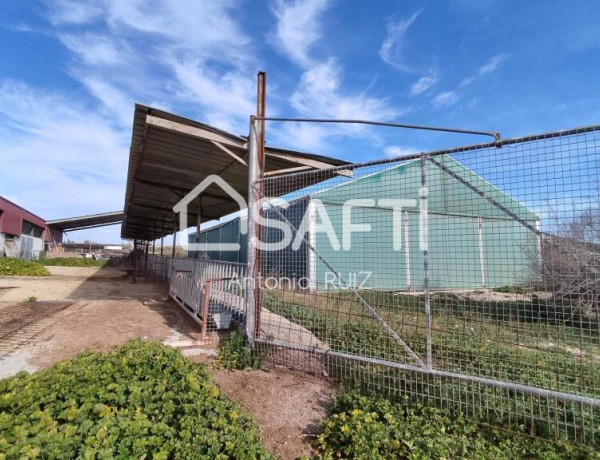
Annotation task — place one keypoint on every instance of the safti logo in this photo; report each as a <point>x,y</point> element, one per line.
<point>182,207</point>
<point>315,220</point>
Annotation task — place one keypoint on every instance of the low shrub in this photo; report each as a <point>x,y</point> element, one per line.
<point>511,290</point>
<point>18,267</point>
<point>141,400</point>
<point>233,354</point>
<point>73,262</point>
<point>364,427</point>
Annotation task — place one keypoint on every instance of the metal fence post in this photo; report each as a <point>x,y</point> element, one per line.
<point>256,166</point>
<point>425,248</point>
<point>250,281</point>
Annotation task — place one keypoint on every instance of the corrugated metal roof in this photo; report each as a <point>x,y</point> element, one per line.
<point>89,221</point>
<point>170,155</point>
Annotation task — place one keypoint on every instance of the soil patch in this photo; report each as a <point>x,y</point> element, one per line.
<point>287,405</point>
<point>16,317</point>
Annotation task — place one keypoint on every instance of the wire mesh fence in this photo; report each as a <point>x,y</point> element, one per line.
<point>466,278</point>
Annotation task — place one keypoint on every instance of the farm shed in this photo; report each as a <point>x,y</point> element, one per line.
<point>170,155</point>
<point>25,235</point>
<point>473,241</point>
<point>22,233</point>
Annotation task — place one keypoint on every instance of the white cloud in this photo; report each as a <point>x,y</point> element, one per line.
<point>302,136</point>
<point>394,151</point>
<point>186,54</point>
<point>229,98</point>
<point>492,64</point>
<point>94,49</point>
<point>60,158</point>
<point>298,28</point>
<point>206,28</point>
<point>424,83</point>
<point>73,11</point>
<point>113,99</point>
<point>319,95</point>
<point>449,98</point>
<point>391,50</point>
<point>445,99</point>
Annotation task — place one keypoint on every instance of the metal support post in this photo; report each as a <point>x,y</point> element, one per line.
<point>256,166</point>
<point>134,254</point>
<point>425,248</point>
<point>174,246</point>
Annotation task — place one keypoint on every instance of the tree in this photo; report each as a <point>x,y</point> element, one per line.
<point>570,261</point>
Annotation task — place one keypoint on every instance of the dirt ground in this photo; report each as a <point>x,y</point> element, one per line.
<point>287,405</point>
<point>105,309</point>
<point>93,308</point>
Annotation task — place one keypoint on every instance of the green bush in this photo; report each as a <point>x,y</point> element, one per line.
<point>73,262</point>
<point>141,400</point>
<point>18,267</point>
<point>364,427</point>
<point>233,354</point>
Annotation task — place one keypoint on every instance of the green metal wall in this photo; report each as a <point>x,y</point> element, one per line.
<point>228,232</point>
<point>455,260</point>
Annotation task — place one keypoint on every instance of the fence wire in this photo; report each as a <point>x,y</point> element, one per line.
<point>466,278</point>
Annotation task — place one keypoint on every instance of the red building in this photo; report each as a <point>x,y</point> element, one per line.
<point>22,233</point>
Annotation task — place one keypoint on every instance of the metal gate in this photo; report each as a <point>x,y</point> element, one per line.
<point>467,278</point>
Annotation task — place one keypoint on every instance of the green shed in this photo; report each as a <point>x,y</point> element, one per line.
<point>477,235</point>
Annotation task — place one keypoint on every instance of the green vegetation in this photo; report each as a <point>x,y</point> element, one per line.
<point>141,400</point>
<point>73,262</point>
<point>32,299</point>
<point>18,267</point>
<point>520,342</point>
<point>363,427</point>
<point>511,290</point>
<point>233,354</point>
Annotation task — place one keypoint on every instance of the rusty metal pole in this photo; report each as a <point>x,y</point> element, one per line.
<point>256,162</point>
<point>260,132</point>
<point>261,112</point>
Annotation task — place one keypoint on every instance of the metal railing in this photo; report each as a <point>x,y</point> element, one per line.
<point>211,292</point>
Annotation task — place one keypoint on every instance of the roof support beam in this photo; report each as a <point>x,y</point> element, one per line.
<point>287,170</point>
<point>175,189</point>
<point>309,162</point>
<point>192,131</point>
<point>229,152</point>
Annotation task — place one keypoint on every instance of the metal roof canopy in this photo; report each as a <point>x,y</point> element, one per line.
<point>170,155</point>
<point>85,222</point>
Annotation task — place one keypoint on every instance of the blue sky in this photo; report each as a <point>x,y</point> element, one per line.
<point>71,72</point>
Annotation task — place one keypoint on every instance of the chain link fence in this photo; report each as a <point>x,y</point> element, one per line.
<point>466,278</point>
